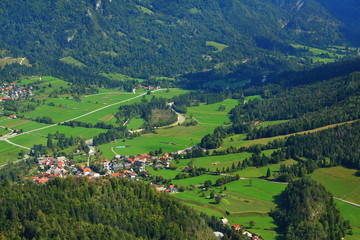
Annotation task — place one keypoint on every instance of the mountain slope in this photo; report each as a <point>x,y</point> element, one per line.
<point>150,37</point>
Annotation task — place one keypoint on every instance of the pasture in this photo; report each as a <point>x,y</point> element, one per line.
<point>169,139</point>
<point>352,214</point>
<point>18,123</point>
<point>341,182</point>
<point>209,114</point>
<point>40,136</point>
<point>216,162</point>
<point>8,152</point>
<point>244,203</point>
<point>72,61</point>
<point>9,60</point>
<point>218,46</point>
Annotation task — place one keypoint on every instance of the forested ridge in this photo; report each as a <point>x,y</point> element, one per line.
<point>307,211</point>
<point>76,208</point>
<point>143,38</point>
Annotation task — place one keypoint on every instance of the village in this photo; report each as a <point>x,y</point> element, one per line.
<point>14,91</point>
<point>130,167</point>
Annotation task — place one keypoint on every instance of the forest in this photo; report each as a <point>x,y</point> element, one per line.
<point>307,211</point>
<point>76,208</point>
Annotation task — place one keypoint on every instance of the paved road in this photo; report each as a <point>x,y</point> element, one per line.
<point>351,203</point>
<point>6,140</point>
<point>7,137</point>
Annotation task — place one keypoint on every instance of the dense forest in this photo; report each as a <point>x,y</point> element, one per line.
<point>307,211</point>
<point>75,208</point>
<point>156,38</point>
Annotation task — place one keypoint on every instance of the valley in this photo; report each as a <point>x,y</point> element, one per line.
<point>196,120</point>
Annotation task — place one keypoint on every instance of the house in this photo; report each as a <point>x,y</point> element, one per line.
<point>236,227</point>
<point>256,123</point>
<point>12,116</point>
<point>219,234</point>
<point>224,220</point>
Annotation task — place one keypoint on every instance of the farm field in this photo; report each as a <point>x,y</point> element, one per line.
<point>352,214</point>
<point>209,113</point>
<point>218,46</point>
<point>8,152</point>
<point>244,203</point>
<point>25,125</point>
<point>10,60</point>
<point>3,131</point>
<point>72,61</point>
<point>197,181</point>
<point>40,137</point>
<point>340,181</point>
<point>239,140</point>
<point>66,109</point>
<point>216,162</point>
<point>253,97</point>
<point>254,172</point>
<point>121,77</point>
<point>181,137</point>
<point>135,123</point>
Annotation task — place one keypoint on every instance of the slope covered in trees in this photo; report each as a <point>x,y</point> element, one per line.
<point>75,208</point>
<point>143,38</point>
<point>307,211</point>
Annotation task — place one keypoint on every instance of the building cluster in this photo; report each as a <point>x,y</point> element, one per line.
<point>240,229</point>
<point>148,87</point>
<point>121,166</point>
<point>14,91</point>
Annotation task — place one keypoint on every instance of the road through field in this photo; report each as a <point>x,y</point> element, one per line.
<point>7,137</point>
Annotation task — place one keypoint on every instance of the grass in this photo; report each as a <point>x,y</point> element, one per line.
<point>253,97</point>
<point>209,114</point>
<point>25,125</point>
<point>8,152</point>
<point>144,10</point>
<point>245,203</point>
<point>135,123</point>
<point>10,60</point>
<point>239,140</point>
<point>352,214</point>
<point>218,46</point>
<point>340,181</point>
<point>72,61</point>
<point>194,10</point>
<point>183,137</point>
<point>254,172</point>
<point>214,162</point>
<point>3,131</point>
<point>40,137</point>
<point>166,173</point>
<point>197,181</point>
<point>121,77</point>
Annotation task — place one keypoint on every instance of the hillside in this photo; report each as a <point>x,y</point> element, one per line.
<point>143,38</point>
<point>79,209</point>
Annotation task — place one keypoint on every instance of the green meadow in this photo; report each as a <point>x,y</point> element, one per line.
<point>3,131</point>
<point>8,152</point>
<point>18,123</point>
<point>341,182</point>
<point>169,139</point>
<point>216,162</point>
<point>243,203</point>
<point>352,214</point>
<point>218,46</point>
<point>10,60</point>
<point>135,123</point>
<point>40,136</point>
<point>72,61</point>
<point>209,114</point>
